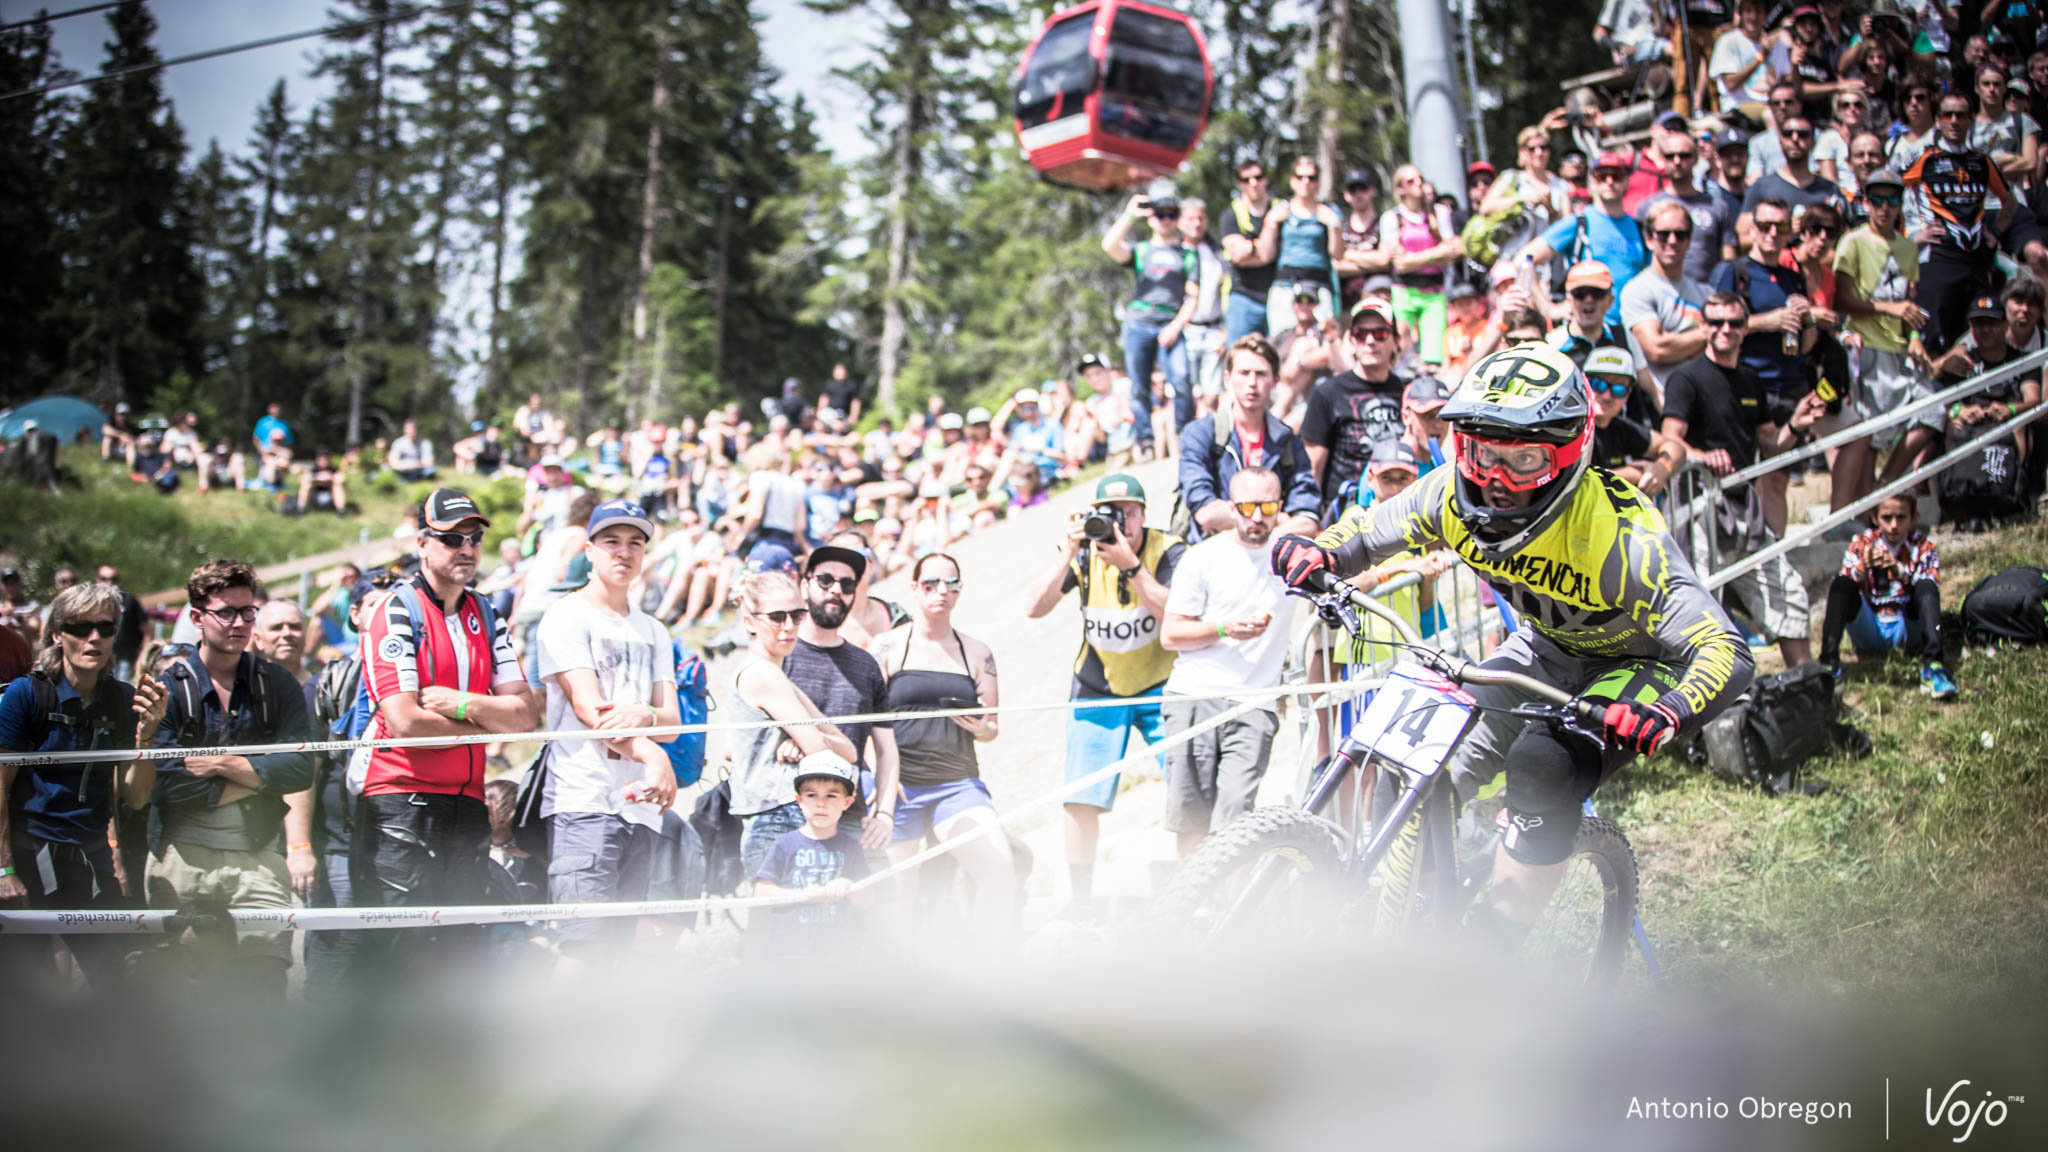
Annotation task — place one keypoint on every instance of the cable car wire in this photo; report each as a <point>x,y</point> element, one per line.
<point>247,46</point>
<point>56,16</point>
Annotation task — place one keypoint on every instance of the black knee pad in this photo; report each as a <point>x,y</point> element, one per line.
<point>1550,774</point>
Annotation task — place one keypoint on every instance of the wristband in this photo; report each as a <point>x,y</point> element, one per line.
<point>7,871</point>
<point>462,706</point>
<point>1221,634</point>
<point>1131,573</point>
<point>305,845</point>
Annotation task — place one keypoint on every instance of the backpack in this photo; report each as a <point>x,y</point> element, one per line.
<point>1486,236</point>
<point>49,712</point>
<point>1988,484</point>
<point>694,704</point>
<point>1783,721</point>
<point>2009,605</point>
<point>408,594</point>
<point>188,689</point>
<point>722,835</point>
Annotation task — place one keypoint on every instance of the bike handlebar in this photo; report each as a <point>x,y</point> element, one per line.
<point>1335,593</point>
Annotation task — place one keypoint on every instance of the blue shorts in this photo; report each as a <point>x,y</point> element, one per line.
<point>1873,633</point>
<point>1099,737</point>
<point>926,806</point>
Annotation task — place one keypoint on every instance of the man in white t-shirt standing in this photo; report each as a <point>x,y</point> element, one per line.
<point>1228,617</point>
<point>607,665</point>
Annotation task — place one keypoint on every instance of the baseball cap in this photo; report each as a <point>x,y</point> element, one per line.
<point>951,422</point>
<point>1091,360</point>
<point>10,573</point>
<point>1374,306</point>
<point>551,461</point>
<point>29,425</point>
<point>768,556</point>
<point>476,425</point>
<point>1986,308</point>
<point>1027,396</point>
<point>1731,137</point>
<point>1479,168</point>
<point>1390,455</point>
<point>447,507</point>
<point>1610,361</point>
<point>123,407</point>
<point>833,553</point>
<point>1805,10</point>
<point>1884,177</point>
<point>1589,274</point>
<point>826,764</point>
<point>1426,393</point>
<point>978,415</point>
<point>1462,290</point>
<point>1382,283</point>
<point>620,512</point>
<point>1119,486</point>
<point>1610,160</point>
<point>1672,119</point>
<point>576,575</point>
<point>1165,204</point>
<point>1360,178</point>
<point>1307,289</point>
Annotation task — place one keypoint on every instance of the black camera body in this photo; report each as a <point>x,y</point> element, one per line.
<point>1100,525</point>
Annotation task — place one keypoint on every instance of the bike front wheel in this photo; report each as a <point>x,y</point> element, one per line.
<point>1273,874</point>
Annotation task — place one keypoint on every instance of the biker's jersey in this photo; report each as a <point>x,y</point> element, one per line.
<point>1957,185</point>
<point>1603,581</point>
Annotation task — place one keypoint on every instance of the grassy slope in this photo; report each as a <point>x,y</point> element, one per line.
<point>1921,872</point>
<point>157,540</point>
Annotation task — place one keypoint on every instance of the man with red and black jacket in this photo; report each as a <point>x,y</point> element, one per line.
<point>1950,188</point>
<point>434,665</point>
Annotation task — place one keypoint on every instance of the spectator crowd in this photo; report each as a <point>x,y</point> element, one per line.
<point>1830,213</point>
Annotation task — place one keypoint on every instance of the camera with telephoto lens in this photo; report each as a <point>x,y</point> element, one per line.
<point>1100,525</point>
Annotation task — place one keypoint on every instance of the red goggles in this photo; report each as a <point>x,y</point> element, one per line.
<point>1518,466</point>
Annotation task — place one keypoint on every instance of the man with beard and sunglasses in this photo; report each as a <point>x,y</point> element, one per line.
<point>842,679</point>
<point>1228,617</point>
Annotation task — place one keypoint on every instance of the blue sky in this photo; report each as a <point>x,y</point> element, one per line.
<point>217,99</point>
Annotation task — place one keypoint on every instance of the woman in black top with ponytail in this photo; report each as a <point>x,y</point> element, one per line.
<point>933,666</point>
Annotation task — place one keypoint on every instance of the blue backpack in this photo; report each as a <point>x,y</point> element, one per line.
<point>693,702</point>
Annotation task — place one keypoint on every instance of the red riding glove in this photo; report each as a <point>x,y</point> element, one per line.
<point>1295,558</point>
<point>1643,728</point>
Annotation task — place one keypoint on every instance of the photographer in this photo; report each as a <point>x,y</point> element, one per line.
<point>1122,570</point>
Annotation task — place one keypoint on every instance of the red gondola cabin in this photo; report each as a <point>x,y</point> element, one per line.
<point>1112,94</point>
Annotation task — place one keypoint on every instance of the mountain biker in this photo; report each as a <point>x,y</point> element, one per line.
<point>1587,562</point>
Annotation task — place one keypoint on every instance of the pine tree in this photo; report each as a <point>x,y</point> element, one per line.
<point>133,297</point>
<point>33,333</point>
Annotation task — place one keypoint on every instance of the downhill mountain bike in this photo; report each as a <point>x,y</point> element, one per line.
<point>1278,873</point>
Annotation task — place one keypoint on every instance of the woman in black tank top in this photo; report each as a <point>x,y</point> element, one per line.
<point>932,667</point>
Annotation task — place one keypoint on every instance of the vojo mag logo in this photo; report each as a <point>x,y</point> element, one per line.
<point>1964,1107</point>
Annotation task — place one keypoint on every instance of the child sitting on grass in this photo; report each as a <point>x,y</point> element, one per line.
<point>1888,595</point>
<point>815,859</point>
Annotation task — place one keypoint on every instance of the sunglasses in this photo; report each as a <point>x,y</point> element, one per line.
<point>845,584</point>
<point>1824,233</point>
<point>1373,333</point>
<point>1886,199</point>
<point>1796,133</point>
<point>1256,507</point>
<point>1589,294</point>
<point>1952,114</point>
<point>1681,157</point>
<point>230,615</point>
<point>1670,234</point>
<point>1615,388</point>
<point>1775,227</point>
<point>935,583</point>
<point>80,629</point>
<point>783,617</point>
<point>1307,175</point>
<point>1166,215</point>
<point>1725,322</point>
<point>1254,178</point>
<point>457,541</point>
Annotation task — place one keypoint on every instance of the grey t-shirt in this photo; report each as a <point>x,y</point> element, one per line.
<point>1675,307</point>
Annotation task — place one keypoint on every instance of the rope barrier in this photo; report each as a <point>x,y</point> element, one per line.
<point>105,755</point>
<point>111,922</point>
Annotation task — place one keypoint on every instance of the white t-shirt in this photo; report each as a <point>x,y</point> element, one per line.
<point>630,655</point>
<point>1219,581</point>
<point>1732,53</point>
<point>407,454</point>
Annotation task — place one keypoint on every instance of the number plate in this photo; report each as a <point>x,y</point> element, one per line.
<point>1415,719</point>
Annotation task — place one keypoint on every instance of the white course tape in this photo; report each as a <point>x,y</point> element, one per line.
<point>100,756</point>
<point>83,922</point>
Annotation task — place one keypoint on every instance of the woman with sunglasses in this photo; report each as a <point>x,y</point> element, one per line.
<point>54,851</point>
<point>933,666</point>
<point>1543,195</point>
<point>1417,237</point>
<point>771,610</point>
<point>1303,237</point>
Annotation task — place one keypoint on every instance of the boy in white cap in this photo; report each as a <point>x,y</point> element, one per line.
<point>815,859</point>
